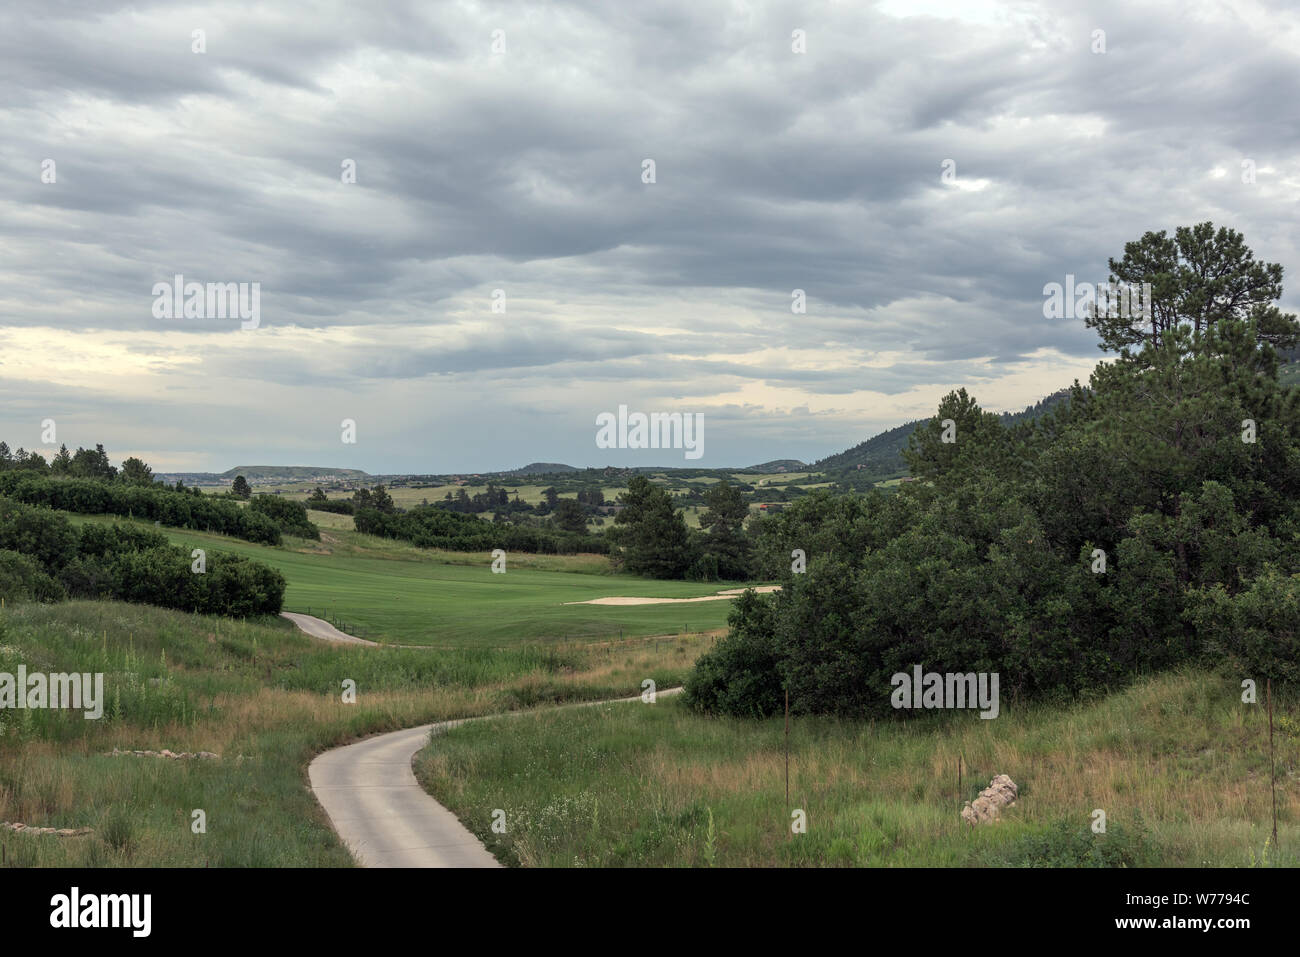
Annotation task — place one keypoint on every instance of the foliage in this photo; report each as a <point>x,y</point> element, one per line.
<point>289,516</point>
<point>175,507</point>
<point>44,558</point>
<point>650,532</point>
<point>1149,521</point>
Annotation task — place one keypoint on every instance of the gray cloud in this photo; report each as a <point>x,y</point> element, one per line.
<point>522,171</point>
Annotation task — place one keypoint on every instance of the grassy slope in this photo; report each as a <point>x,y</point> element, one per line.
<point>1178,763</point>
<point>400,594</point>
<point>264,697</point>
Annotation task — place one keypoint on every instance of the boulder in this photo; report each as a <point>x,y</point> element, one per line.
<point>1001,793</point>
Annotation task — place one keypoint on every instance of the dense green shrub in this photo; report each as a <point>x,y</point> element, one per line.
<point>40,533</point>
<point>289,516</point>
<point>339,506</point>
<point>1069,844</point>
<point>739,676</point>
<point>174,507</point>
<point>1257,630</point>
<point>44,558</point>
<point>428,526</point>
<point>23,579</point>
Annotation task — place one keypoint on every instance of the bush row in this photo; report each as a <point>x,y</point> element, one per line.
<point>43,557</point>
<point>177,508</point>
<point>427,526</point>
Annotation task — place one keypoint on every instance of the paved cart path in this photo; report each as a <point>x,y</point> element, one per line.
<point>383,815</point>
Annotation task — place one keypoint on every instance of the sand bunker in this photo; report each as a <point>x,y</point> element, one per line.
<point>720,596</point>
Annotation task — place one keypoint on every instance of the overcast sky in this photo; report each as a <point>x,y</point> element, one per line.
<point>521,169</point>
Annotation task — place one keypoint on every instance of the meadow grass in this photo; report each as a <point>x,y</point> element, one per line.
<point>1177,762</point>
<point>264,697</point>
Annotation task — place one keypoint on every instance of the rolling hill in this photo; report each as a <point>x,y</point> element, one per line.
<point>882,455</point>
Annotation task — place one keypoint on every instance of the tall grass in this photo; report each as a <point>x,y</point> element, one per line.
<point>263,696</point>
<point>1178,763</point>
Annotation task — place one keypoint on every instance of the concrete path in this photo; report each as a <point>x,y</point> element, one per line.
<point>380,811</point>
<point>319,628</point>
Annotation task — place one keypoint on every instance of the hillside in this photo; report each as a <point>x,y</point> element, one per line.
<point>292,473</point>
<point>882,455</point>
<point>777,465</point>
<point>542,468</point>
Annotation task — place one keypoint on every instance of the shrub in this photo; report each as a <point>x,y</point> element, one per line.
<point>176,507</point>
<point>289,516</point>
<point>23,579</point>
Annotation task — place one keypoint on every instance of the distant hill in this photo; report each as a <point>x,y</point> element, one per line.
<point>542,468</point>
<point>292,473</point>
<point>778,465</point>
<point>882,456</point>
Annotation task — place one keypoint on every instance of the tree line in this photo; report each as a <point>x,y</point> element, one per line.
<point>428,526</point>
<point>263,521</point>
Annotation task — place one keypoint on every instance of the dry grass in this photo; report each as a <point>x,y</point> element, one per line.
<point>1178,763</point>
<point>266,699</point>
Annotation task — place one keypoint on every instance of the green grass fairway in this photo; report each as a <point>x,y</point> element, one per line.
<point>397,594</point>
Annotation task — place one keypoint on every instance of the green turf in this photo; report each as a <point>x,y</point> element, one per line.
<point>404,596</point>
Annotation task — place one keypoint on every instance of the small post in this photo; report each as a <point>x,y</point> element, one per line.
<point>787,748</point>
<point>959,776</point>
<point>1272,766</point>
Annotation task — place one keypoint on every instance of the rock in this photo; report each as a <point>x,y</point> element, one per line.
<point>166,753</point>
<point>56,831</point>
<point>1001,793</point>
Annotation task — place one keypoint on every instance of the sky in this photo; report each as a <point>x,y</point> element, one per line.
<point>500,272</point>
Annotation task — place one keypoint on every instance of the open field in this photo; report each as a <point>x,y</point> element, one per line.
<point>407,497</point>
<point>1178,763</point>
<point>392,592</point>
<point>773,478</point>
<point>262,696</point>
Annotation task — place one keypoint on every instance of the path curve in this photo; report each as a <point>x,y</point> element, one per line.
<point>381,813</point>
<point>319,628</point>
